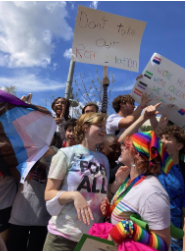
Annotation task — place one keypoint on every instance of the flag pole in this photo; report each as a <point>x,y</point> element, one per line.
<point>69,79</point>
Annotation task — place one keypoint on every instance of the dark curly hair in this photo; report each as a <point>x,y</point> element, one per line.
<point>66,116</point>
<point>70,122</point>
<point>176,132</point>
<point>122,99</point>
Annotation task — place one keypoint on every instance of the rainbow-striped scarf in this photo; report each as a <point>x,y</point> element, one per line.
<point>144,143</point>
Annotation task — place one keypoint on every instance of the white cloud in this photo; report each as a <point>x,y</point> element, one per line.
<point>30,83</point>
<point>29,30</point>
<point>123,88</point>
<point>94,4</point>
<point>67,53</point>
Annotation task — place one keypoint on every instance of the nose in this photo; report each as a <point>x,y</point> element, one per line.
<point>118,150</point>
<point>163,141</point>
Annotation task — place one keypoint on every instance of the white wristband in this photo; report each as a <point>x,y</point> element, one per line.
<point>53,206</point>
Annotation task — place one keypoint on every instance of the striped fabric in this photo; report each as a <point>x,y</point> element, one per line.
<point>26,132</point>
<point>144,143</point>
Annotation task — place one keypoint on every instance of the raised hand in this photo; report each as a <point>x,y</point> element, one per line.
<point>139,77</point>
<point>121,174</point>
<point>163,121</point>
<point>83,209</point>
<point>58,120</point>
<point>145,99</point>
<point>151,111</point>
<point>63,110</point>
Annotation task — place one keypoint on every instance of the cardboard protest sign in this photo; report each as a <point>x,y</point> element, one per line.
<point>102,38</point>
<point>165,82</point>
<point>92,243</point>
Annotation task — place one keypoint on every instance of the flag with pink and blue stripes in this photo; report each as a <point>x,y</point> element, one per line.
<point>26,131</point>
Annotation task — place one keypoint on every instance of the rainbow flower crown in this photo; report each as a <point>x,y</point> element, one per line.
<point>149,146</point>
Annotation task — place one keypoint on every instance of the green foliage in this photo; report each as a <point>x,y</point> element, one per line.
<point>146,128</point>
<point>11,89</point>
<point>90,93</point>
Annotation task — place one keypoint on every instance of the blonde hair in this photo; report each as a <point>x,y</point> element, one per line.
<point>87,120</point>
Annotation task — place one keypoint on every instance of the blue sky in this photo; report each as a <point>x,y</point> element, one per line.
<point>35,38</point>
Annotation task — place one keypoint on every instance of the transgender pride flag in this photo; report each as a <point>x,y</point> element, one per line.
<point>26,132</point>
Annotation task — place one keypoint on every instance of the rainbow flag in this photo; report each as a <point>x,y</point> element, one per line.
<point>157,60</point>
<point>181,111</point>
<point>26,132</point>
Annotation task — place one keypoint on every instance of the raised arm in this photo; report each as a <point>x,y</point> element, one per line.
<point>127,121</point>
<point>149,112</point>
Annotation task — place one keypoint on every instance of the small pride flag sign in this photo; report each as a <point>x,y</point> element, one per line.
<point>181,111</point>
<point>157,60</point>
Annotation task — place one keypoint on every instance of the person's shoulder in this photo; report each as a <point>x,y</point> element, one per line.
<point>102,156</point>
<point>67,150</point>
<point>153,185</point>
<point>113,116</point>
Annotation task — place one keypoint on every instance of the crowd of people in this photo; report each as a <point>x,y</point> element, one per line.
<point>97,173</point>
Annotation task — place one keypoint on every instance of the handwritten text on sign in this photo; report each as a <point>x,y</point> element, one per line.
<point>165,82</point>
<point>102,38</point>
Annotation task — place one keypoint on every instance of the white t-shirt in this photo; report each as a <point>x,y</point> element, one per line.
<point>81,170</point>
<point>8,190</point>
<point>147,199</point>
<point>112,125</point>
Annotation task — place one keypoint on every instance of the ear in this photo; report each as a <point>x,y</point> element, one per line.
<point>84,128</point>
<point>121,105</point>
<point>180,146</point>
<point>101,148</point>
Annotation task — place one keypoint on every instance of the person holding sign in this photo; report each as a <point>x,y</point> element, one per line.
<point>173,139</point>
<point>141,192</point>
<point>93,107</point>
<point>124,107</point>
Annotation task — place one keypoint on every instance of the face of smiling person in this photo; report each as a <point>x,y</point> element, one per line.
<point>70,138</point>
<point>59,104</point>
<point>171,145</point>
<point>96,132</point>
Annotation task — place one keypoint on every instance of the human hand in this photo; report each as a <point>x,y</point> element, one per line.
<point>121,174</point>
<point>163,121</point>
<point>58,120</point>
<point>105,205</point>
<point>151,111</point>
<point>23,98</point>
<point>82,208</point>
<point>139,77</point>
<point>63,110</point>
<point>145,99</point>
<point>49,152</point>
<point>111,239</point>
